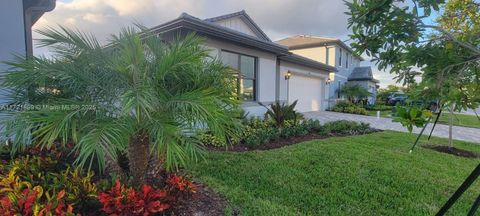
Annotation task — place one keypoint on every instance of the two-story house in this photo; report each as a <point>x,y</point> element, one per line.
<point>336,53</point>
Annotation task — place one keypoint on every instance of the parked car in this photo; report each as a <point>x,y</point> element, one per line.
<point>399,99</point>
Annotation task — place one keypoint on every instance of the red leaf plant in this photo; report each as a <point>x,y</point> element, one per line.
<point>180,184</point>
<point>23,205</point>
<point>121,200</point>
<point>28,203</point>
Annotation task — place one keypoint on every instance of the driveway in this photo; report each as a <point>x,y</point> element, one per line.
<point>459,133</point>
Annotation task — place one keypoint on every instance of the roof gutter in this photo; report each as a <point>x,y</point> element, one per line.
<point>188,22</point>
<point>31,15</point>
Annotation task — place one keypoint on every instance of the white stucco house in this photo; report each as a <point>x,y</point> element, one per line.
<point>269,71</point>
<point>336,53</point>
<point>16,20</point>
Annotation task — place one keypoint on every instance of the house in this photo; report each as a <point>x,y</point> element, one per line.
<point>16,20</point>
<point>269,71</point>
<point>363,76</point>
<point>333,52</point>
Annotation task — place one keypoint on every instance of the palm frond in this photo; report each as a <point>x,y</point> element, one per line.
<point>104,137</point>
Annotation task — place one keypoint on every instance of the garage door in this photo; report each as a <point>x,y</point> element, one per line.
<point>307,90</point>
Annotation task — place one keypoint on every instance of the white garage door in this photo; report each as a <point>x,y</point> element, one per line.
<point>307,90</point>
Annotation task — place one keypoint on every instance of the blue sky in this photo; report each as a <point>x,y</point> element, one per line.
<point>279,19</point>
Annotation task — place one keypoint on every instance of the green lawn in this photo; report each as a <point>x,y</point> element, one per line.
<point>458,119</point>
<point>386,114</point>
<point>362,175</point>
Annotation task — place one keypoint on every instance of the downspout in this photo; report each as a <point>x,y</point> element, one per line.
<point>277,81</point>
<point>277,78</point>
<point>28,12</point>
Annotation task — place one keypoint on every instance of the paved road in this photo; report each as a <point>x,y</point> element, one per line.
<point>459,133</point>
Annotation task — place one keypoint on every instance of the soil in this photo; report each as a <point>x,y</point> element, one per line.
<point>204,202</point>
<point>452,151</point>
<point>242,147</point>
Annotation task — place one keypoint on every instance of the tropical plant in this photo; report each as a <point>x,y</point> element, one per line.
<point>344,127</point>
<point>348,107</point>
<point>139,95</point>
<point>281,112</point>
<point>354,93</point>
<point>20,197</point>
<point>125,201</point>
<point>412,116</point>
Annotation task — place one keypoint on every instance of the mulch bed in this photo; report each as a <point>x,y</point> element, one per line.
<point>242,147</point>
<point>452,151</point>
<point>204,202</point>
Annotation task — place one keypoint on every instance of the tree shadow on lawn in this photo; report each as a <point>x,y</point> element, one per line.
<point>452,150</point>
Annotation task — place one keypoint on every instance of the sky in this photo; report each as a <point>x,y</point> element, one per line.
<point>278,19</point>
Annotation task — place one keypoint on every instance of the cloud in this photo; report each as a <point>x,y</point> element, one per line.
<point>278,19</point>
<point>94,18</point>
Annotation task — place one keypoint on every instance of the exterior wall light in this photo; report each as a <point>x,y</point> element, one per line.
<point>331,78</point>
<point>288,75</point>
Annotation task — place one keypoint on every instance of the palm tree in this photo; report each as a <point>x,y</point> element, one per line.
<point>354,92</point>
<point>137,95</point>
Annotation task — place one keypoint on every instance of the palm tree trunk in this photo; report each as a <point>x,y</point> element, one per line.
<point>138,156</point>
<point>450,128</point>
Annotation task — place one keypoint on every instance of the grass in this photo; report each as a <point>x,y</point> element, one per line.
<point>458,119</point>
<point>363,175</point>
<point>385,114</point>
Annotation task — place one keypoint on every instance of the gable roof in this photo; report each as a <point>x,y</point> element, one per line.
<point>206,28</point>
<point>246,19</point>
<point>209,29</point>
<point>308,41</point>
<point>362,74</point>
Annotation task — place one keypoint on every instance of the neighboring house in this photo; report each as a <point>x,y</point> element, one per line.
<point>330,51</point>
<point>16,20</point>
<point>363,76</point>
<point>269,72</point>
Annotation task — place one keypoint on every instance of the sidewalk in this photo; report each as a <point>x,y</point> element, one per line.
<point>459,133</point>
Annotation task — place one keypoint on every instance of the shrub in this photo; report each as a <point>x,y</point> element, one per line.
<point>122,200</point>
<point>18,197</point>
<point>312,125</point>
<point>281,112</point>
<point>180,185</point>
<point>347,107</point>
<point>45,175</point>
<point>378,107</point>
<point>209,139</point>
<point>360,111</point>
<point>345,127</point>
<point>258,136</point>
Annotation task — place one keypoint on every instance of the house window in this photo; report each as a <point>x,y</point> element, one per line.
<point>346,61</point>
<point>246,67</point>
<point>340,57</point>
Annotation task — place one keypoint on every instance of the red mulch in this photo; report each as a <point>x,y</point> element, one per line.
<point>452,151</point>
<point>203,202</point>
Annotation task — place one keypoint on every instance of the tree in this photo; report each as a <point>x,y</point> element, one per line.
<point>397,33</point>
<point>137,95</point>
<point>354,93</point>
